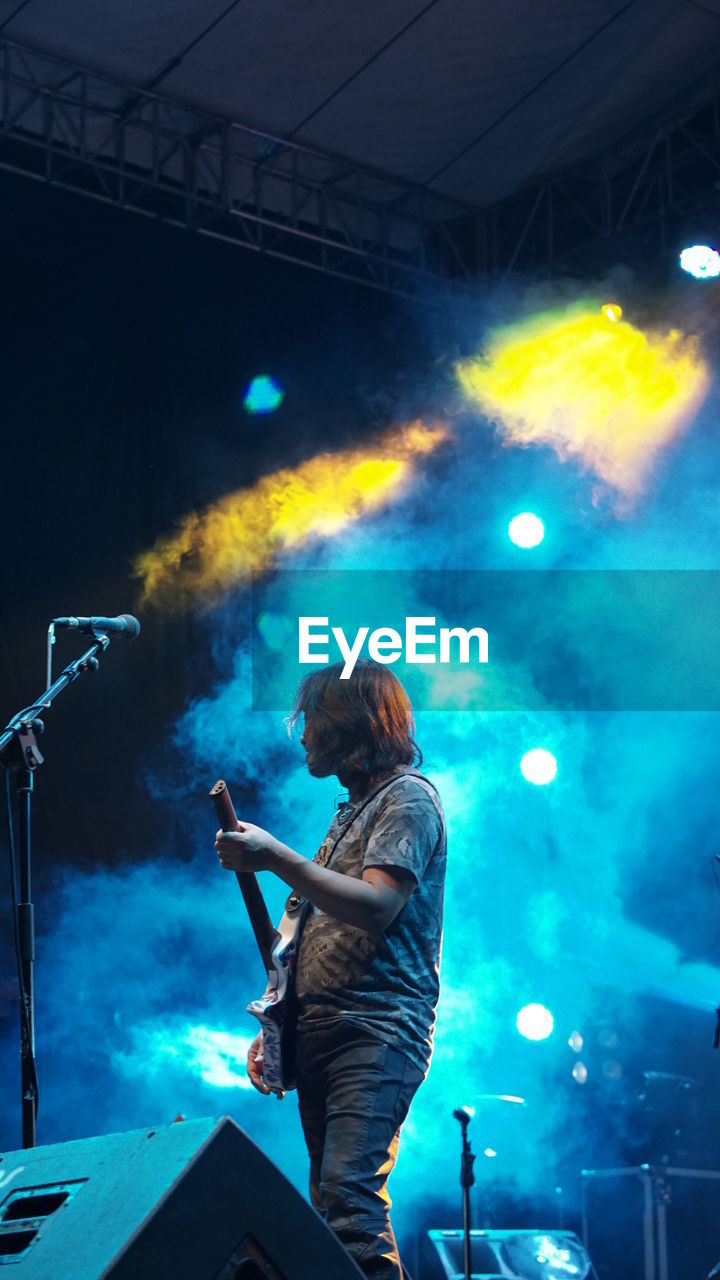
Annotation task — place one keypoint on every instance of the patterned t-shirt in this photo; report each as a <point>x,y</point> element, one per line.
<point>387,983</point>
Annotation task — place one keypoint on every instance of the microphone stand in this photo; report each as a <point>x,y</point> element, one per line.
<point>20,756</point>
<point>467,1180</point>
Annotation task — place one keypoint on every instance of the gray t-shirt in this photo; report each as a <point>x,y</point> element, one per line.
<point>387,983</point>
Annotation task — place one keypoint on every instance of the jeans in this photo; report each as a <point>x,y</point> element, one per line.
<point>354,1093</point>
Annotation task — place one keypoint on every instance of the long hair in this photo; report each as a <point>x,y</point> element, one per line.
<point>365,722</point>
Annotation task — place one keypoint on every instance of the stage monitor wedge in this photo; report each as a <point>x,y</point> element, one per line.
<point>194,1200</point>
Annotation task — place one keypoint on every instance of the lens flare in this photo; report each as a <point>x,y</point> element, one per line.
<point>263,395</point>
<point>217,549</point>
<point>606,396</point>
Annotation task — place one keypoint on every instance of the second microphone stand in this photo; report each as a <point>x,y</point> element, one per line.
<point>467,1180</point>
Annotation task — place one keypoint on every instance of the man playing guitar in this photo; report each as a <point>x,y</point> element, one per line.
<point>366,980</point>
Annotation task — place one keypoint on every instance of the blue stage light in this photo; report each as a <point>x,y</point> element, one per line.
<point>263,395</point>
<point>700,261</point>
<point>538,766</point>
<point>526,530</point>
<point>535,1022</point>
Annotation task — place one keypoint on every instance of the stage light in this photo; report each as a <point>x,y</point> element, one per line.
<point>526,530</point>
<point>612,311</point>
<point>575,1042</point>
<point>263,395</point>
<point>490,1153</point>
<point>579,1072</point>
<point>700,261</point>
<point>535,1022</point>
<point>538,766</point>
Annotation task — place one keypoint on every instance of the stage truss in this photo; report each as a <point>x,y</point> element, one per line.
<point>649,182</point>
<point>130,147</point>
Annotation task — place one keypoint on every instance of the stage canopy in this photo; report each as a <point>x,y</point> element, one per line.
<point>360,125</point>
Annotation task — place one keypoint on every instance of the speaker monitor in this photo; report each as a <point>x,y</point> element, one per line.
<point>195,1200</point>
<point>536,1254</point>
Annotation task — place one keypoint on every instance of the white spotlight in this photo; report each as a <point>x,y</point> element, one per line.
<point>538,766</point>
<point>535,1022</point>
<point>526,530</point>
<point>701,261</point>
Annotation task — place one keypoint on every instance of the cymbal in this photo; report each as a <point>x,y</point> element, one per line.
<point>510,1098</point>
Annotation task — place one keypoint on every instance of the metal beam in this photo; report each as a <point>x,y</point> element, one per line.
<point>84,132</point>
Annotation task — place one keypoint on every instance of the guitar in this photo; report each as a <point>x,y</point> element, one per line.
<point>276,1009</point>
<point>278,949</point>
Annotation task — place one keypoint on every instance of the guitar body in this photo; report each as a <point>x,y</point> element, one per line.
<point>275,1009</point>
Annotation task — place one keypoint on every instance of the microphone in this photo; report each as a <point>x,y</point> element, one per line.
<point>464,1115</point>
<point>124,625</point>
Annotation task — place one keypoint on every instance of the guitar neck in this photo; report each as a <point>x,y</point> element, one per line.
<point>262,925</point>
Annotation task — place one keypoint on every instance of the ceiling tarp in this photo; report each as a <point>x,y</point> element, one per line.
<point>472,99</point>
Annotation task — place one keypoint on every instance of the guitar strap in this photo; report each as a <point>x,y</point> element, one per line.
<point>297,906</point>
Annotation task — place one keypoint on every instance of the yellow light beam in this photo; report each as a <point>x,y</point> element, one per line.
<point>215,550</point>
<point>593,387</point>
